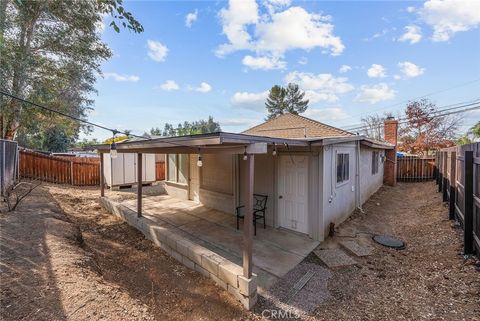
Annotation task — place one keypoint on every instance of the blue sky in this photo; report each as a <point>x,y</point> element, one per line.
<point>353,58</point>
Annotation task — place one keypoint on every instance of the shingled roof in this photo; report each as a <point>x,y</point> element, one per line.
<point>295,126</point>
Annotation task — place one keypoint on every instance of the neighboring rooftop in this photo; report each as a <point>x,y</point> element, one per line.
<point>295,126</point>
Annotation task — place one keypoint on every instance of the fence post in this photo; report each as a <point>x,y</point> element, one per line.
<point>71,173</point>
<point>453,184</point>
<point>468,201</point>
<point>445,176</point>
<point>435,168</point>
<point>440,174</point>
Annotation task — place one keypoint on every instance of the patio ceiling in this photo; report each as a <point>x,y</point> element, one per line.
<point>223,142</point>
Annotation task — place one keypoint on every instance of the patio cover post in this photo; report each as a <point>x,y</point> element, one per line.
<point>102,180</point>
<point>139,186</point>
<point>248,220</point>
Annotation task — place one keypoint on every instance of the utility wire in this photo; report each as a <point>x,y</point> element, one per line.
<point>443,109</point>
<point>114,131</point>
<point>404,121</point>
<point>420,97</point>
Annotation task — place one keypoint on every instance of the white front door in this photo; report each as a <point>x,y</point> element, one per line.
<point>194,179</point>
<point>293,193</point>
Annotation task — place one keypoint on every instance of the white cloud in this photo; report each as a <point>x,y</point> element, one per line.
<point>344,68</point>
<point>253,101</point>
<point>169,85</point>
<point>156,50</point>
<point>326,114</point>
<point>204,88</point>
<point>448,17</point>
<point>276,32</point>
<point>374,94</point>
<point>410,70</point>
<point>412,34</point>
<point>191,18</point>
<point>411,9</point>
<point>321,87</point>
<point>315,97</point>
<point>264,63</point>
<point>376,71</point>
<point>119,77</point>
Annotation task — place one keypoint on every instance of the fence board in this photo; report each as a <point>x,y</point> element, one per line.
<point>460,169</point>
<point>160,171</point>
<point>413,168</point>
<point>80,171</point>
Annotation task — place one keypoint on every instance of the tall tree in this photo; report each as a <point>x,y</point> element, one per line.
<point>275,103</point>
<point>294,100</point>
<point>424,130</point>
<point>50,52</point>
<point>282,100</point>
<point>192,128</point>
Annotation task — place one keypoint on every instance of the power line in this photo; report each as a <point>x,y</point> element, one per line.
<point>404,121</point>
<point>441,110</point>
<point>114,131</point>
<point>419,97</point>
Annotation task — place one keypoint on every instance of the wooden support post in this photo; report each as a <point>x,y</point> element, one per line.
<point>435,168</point>
<point>248,220</point>
<point>139,182</point>
<point>440,174</point>
<point>102,179</point>
<point>445,176</point>
<point>453,178</point>
<point>468,202</point>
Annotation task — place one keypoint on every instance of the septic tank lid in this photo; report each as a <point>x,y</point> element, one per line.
<point>389,241</point>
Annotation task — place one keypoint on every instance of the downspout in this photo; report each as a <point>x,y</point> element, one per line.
<point>358,200</point>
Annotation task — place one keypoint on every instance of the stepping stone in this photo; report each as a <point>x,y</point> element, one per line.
<point>357,249</point>
<point>334,258</point>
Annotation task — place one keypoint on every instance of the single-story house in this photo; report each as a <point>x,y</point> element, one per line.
<point>311,175</point>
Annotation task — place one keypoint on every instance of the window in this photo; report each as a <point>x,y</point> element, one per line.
<point>375,162</point>
<point>177,168</point>
<point>343,168</point>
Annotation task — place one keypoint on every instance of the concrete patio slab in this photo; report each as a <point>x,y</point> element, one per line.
<point>275,251</point>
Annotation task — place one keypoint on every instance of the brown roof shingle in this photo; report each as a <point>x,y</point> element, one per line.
<point>295,126</point>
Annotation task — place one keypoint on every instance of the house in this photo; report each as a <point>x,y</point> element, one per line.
<point>316,179</point>
<point>313,175</point>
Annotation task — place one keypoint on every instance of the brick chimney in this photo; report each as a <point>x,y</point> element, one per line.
<point>391,136</point>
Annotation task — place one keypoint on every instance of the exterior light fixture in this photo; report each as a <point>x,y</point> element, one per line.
<point>274,153</point>
<point>113,147</point>
<point>199,161</point>
<point>245,157</point>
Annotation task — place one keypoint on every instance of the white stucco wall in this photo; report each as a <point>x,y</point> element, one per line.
<point>369,183</point>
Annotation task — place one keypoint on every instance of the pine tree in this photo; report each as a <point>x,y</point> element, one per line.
<point>285,100</point>
<point>294,100</point>
<point>275,103</point>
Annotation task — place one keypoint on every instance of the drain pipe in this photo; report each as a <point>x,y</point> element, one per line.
<point>358,200</point>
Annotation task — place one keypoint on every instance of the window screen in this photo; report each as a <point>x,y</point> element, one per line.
<point>375,161</point>
<point>172,167</point>
<point>343,168</point>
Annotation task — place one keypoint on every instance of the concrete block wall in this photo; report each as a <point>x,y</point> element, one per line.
<point>172,240</point>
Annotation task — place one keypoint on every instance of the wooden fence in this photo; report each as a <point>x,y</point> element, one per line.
<point>414,168</point>
<point>458,180</point>
<point>160,171</point>
<point>60,169</point>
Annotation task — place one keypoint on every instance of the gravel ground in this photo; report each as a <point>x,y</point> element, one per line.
<point>65,258</point>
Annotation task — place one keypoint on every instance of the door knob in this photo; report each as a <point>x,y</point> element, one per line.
<point>280,197</point>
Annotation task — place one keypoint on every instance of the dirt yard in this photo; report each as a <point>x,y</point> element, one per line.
<point>65,258</point>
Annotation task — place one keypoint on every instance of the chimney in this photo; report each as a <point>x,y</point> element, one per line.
<point>390,129</point>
